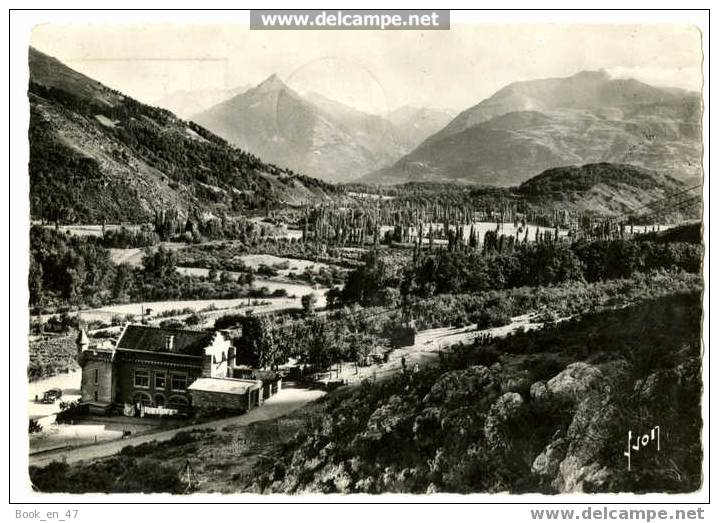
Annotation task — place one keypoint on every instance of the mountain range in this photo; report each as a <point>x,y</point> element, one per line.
<point>187,103</point>
<point>315,135</point>
<point>97,155</point>
<point>530,126</point>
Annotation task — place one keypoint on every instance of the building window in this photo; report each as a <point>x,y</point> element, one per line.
<point>160,380</point>
<point>179,382</point>
<point>142,379</point>
<point>95,395</point>
<point>96,375</point>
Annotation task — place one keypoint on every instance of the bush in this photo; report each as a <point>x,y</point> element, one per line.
<point>34,427</point>
<point>193,320</point>
<point>309,301</point>
<point>172,324</point>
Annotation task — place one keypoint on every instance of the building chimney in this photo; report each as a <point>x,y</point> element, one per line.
<point>169,342</point>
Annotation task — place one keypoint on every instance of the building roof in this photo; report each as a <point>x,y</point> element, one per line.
<point>154,339</point>
<point>224,385</point>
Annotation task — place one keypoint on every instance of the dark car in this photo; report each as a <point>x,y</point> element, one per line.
<point>50,395</point>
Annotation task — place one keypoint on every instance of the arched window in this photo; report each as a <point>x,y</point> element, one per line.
<point>178,402</point>
<point>159,400</point>
<point>142,397</point>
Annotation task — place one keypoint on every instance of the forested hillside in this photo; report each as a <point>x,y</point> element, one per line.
<point>97,155</point>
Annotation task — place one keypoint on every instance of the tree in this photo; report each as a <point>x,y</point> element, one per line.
<point>334,298</point>
<point>309,301</point>
<point>122,281</point>
<point>159,263</point>
<point>35,281</point>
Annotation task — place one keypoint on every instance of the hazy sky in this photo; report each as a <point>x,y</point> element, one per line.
<point>371,70</point>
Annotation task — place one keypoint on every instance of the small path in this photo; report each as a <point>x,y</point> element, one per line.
<point>427,346</point>
<point>282,403</point>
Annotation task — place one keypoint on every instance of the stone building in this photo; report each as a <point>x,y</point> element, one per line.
<point>155,367</point>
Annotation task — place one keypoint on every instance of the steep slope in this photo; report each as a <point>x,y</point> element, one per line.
<point>313,134</point>
<point>186,104</point>
<point>96,155</point>
<point>535,125</point>
<point>277,123</point>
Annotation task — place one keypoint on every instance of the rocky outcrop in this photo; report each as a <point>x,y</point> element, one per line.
<point>588,434</point>
<point>667,383</point>
<point>475,383</point>
<point>501,412</point>
<point>546,465</point>
<point>520,384</point>
<point>387,418</point>
<point>576,381</point>
<point>538,390</point>
<point>570,462</point>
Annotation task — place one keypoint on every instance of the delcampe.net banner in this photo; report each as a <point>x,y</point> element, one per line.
<point>355,19</point>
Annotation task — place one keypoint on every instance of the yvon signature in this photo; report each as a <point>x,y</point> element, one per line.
<point>641,441</point>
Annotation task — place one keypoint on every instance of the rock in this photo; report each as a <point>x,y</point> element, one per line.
<point>580,478</point>
<point>342,480</point>
<point>668,383</point>
<point>502,411</point>
<point>474,383</point>
<point>388,418</point>
<point>649,387</point>
<point>516,384</point>
<point>538,390</point>
<point>427,426</point>
<point>547,463</point>
<point>366,485</point>
<point>588,434</point>
<point>576,381</point>
<point>327,451</point>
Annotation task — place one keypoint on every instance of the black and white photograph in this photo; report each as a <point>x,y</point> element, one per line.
<point>354,254</point>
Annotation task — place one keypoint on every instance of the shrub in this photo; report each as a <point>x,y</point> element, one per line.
<point>34,427</point>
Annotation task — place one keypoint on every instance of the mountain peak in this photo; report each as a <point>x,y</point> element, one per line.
<point>271,83</point>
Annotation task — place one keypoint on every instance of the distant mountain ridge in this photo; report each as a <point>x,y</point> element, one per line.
<point>313,134</point>
<point>97,155</point>
<point>540,124</point>
<point>187,103</point>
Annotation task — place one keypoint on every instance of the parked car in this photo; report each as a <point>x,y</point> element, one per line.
<point>51,395</point>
